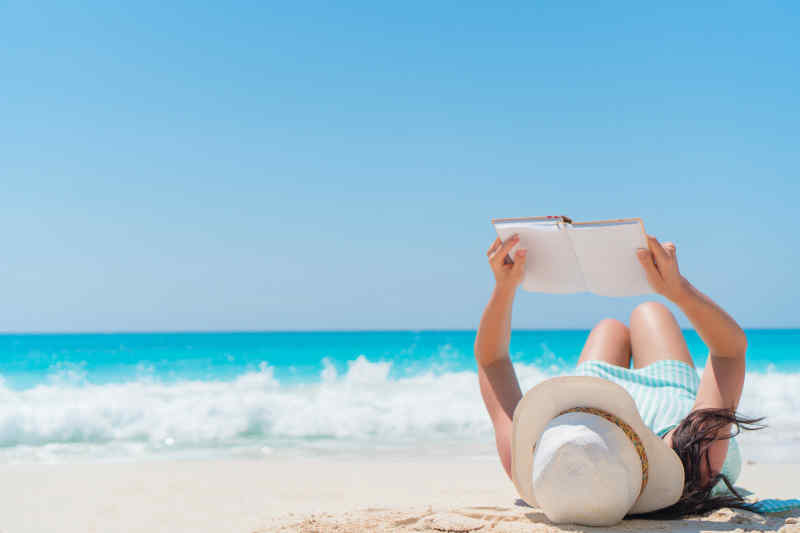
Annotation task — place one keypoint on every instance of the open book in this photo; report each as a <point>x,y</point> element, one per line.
<point>564,257</point>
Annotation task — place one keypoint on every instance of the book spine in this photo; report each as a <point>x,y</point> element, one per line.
<point>554,218</point>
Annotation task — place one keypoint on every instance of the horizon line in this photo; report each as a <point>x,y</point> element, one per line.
<point>322,330</point>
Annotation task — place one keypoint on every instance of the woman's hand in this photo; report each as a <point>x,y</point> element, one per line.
<point>507,274</point>
<point>660,262</point>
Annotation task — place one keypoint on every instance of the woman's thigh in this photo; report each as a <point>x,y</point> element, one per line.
<point>609,341</point>
<point>655,335</point>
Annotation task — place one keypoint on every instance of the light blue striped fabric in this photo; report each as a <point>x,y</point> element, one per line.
<point>664,393</point>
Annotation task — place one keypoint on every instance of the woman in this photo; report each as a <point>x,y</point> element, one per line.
<point>696,417</point>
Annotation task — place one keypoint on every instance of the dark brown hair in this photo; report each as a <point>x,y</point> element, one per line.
<point>691,441</point>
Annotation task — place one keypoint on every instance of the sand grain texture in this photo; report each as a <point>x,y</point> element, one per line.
<point>320,495</point>
<point>520,519</point>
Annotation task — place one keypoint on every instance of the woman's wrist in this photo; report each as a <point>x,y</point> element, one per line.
<point>683,294</point>
<point>505,289</point>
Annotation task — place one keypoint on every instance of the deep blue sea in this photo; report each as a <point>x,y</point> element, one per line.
<point>118,397</point>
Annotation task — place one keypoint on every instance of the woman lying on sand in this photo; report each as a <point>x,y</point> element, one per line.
<point>695,417</point>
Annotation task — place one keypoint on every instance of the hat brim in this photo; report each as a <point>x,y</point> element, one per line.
<point>549,398</point>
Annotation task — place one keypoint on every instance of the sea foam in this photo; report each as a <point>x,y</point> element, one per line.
<point>362,410</point>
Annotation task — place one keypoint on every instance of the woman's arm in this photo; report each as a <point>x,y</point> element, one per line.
<point>722,381</point>
<point>723,377</point>
<point>498,382</point>
<point>719,331</point>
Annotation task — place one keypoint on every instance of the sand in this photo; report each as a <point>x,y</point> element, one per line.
<point>317,495</point>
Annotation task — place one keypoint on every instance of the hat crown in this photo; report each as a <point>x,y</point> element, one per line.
<point>559,396</point>
<point>585,470</point>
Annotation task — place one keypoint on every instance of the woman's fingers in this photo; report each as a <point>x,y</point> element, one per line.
<point>493,247</point>
<point>660,255</point>
<point>500,254</point>
<point>520,256</point>
<point>646,259</point>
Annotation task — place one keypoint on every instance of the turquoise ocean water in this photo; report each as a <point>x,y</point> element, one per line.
<point>111,397</point>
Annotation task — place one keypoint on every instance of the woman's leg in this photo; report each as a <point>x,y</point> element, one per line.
<point>609,341</point>
<point>655,335</point>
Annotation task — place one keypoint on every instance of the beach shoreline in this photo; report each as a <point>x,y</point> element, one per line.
<point>303,494</point>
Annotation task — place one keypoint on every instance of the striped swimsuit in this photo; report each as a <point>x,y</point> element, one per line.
<point>664,393</point>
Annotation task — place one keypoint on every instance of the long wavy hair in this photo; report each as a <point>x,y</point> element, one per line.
<point>691,440</point>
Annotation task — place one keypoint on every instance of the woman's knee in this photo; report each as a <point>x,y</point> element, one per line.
<point>656,335</point>
<point>611,327</point>
<point>610,341</point>
<point>648,311</point>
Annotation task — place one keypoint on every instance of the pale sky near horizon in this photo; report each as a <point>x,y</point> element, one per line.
<point>248,166</point>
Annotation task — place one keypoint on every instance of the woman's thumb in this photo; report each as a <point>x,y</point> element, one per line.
<point>650,270</point>
<point>519,259</point>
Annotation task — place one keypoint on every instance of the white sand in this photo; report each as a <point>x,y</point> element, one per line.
<point>273,494</point>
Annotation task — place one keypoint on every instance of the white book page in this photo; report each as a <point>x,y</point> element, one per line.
<point>551,265</point>
<point>607,256</point>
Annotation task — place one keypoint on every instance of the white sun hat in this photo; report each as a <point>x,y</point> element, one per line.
<point>582,454</point>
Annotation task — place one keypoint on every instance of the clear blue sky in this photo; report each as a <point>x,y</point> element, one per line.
<point>301,166</point>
